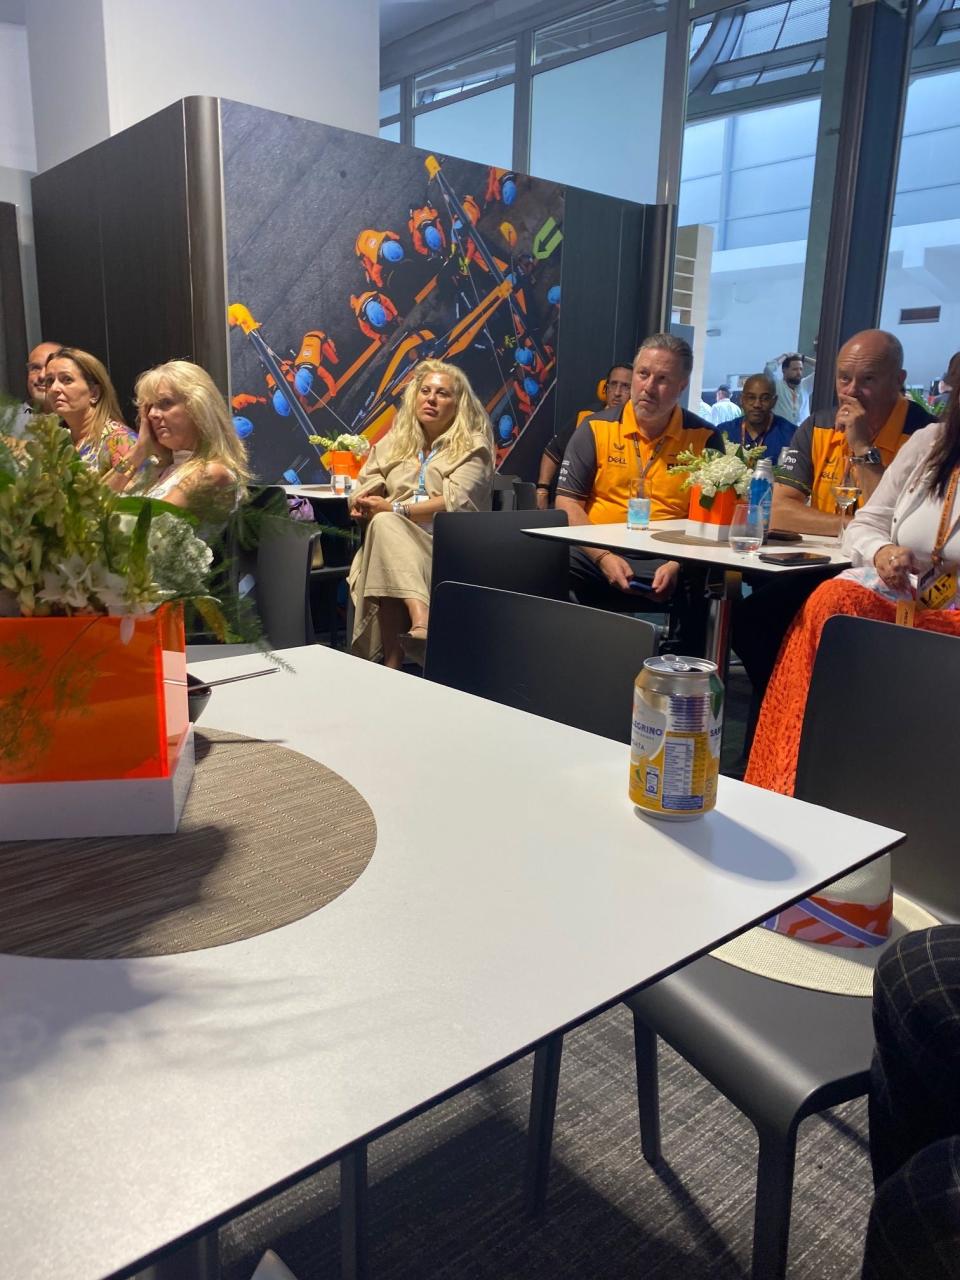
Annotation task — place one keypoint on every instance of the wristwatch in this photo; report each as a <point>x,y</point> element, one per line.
<point>399,508</point>
<point>869,458</point>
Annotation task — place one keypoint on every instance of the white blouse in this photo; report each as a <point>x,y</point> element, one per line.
<point>903,511</point>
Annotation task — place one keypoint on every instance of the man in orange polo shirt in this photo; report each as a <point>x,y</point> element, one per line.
<point>874,419</point>
<point>607,454</point>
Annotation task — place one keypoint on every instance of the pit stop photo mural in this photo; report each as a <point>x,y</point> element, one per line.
<point>350,258</point>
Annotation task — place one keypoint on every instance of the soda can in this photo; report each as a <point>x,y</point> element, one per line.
<point>675,740</point>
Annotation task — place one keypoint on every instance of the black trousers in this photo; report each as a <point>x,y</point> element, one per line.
<point>688,607</point>
<point>914,1228</point>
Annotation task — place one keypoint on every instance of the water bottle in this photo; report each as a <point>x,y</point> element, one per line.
<point>761,490</point>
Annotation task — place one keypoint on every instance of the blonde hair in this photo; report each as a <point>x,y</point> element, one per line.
<point>107,407</point>
<point>406,437</point>
<point>218,440</point>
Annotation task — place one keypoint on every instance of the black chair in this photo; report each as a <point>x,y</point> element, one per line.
<point>510,493</point>
<point>339,539</point>
<point>870,748</point>
<point>489,549</point>
<point>527,652</point>
<point>284,557</point>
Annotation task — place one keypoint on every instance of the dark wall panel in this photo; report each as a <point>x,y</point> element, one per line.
<point>146,252</point>
<point>13,328</point>
<point>66,224</point>
<point>113,249</point>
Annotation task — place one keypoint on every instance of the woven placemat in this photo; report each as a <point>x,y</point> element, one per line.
<point>267,836</point>
<point>688,540</point>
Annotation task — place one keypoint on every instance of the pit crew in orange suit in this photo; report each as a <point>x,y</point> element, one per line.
<point>378,250</point>
<point>467,243</point>
<point>243,401</point>
<point>375,314</point>
<point>315,348</point>
<point>426,232</point>
<point>501,185</point>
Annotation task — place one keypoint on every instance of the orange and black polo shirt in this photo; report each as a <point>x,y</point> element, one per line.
<point>816,455</point>
<point>607,452</point>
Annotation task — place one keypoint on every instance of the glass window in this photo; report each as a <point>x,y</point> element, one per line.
<point>769,228</point>
<point>770,188</point>
<point>391,131</point>
<point>479,128</point>
<point>390,101</point>
<point>575,35</point>
<point>778,133</point>
<point>757,197</point>
<point>697,36</point>
<point>702,150</point>
<point>478,69</point>
<point>922,263</point>
<point>699,200</point>
<point>577,134</point>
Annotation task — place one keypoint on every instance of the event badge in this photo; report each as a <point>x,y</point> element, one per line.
<point>937,588</point>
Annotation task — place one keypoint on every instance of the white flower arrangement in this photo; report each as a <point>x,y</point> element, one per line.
<point>712,471</point>
<point>69,545</point>
<point>347,441</point>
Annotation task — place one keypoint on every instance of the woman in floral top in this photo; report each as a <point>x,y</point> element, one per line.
<point>79,390</point>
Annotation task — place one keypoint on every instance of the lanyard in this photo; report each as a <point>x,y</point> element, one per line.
<point>943,534</point>
<point>657,450</point>
<point>422,482</point>
<point>753,440</point>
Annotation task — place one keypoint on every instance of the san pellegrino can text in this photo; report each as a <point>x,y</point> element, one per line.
<point>675,741</point>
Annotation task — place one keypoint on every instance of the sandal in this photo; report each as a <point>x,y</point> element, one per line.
<point>414,644</point>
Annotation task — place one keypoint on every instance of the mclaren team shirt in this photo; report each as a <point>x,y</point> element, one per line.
<point>607,453</point>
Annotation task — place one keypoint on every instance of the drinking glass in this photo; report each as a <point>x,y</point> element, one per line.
<point>746,528</point>
<point>638,506</point>
<point>846,493</point>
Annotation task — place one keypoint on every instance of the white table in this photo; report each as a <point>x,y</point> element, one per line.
<point>617,537</point>
<point>145,1101</point>
<point>315,492</point>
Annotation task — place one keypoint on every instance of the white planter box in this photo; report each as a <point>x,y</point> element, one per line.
<point>714,532</point>
<point>105,807</point>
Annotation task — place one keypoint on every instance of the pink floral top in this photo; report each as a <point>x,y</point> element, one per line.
<point>113,445</point>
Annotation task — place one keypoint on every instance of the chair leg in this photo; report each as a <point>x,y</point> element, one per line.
<point>353,1213</point>
<point>543,1108</point>
<point>771,1229</point>
<point>648,1089</point>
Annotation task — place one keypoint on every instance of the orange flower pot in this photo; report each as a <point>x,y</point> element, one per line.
<point>344,463</point>
<point>92,697</point>
<point>712,522</point>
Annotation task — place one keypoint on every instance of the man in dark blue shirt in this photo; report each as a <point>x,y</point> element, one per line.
<point>759,424</point>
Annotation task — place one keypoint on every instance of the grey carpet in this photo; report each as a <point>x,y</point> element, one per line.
<point>445,1189</point>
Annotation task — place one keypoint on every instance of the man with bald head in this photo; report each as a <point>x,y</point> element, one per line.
<point>759,424</point>
<point>873,420</point>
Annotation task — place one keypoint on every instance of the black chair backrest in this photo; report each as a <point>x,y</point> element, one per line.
<point>284,556</point>
<point>504,496</point>
<point>880,741</point>
<point>549,657</point>
<point>490,549</point>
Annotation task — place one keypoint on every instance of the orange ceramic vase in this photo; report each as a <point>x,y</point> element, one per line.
<point>92,697</point>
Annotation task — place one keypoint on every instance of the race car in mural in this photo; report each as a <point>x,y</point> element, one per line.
<point>468,270</point>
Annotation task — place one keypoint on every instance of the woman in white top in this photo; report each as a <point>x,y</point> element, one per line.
<point>905,548</point>
<point>187,452</point>
<point>437,456</point>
